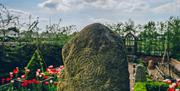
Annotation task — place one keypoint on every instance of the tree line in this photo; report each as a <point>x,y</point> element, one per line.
<point>153,36</point>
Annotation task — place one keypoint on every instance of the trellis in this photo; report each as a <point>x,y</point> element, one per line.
<point>131,43</point>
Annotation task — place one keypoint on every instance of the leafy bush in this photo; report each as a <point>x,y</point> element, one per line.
<point>140,86</point>
<point>12,56</point>
<point>156,86</point>
<point>150,86</point>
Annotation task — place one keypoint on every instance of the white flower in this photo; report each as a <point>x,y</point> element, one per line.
<point>12,81</point>
<point>174,85</point>
<point>51,81</point>
<point>40,75</point>
<point>11,73</point>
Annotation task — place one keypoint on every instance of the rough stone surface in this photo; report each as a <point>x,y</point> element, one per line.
<point>95,60</point>
<point>140,75</point>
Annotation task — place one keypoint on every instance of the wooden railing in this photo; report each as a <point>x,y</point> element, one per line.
<point>167,70</point>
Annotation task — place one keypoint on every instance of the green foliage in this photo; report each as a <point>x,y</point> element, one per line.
<point>35,63</point>
<point>151,86</point>
<point>153,36</point>
<point>155,39</point>
<point>139,61</point>
<point>173,35</point>
<point>156,86</point>
<point>18,55</point>
<point>140,86</point>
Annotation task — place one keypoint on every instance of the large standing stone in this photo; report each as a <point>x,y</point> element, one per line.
<point>95,60</point>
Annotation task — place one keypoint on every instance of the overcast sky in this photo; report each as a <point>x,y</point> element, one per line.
<point>83,12</point>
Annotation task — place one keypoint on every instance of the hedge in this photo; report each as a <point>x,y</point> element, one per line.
<point>151,86</point>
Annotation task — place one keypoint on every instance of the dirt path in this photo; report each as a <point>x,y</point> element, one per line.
<point>131,76</point>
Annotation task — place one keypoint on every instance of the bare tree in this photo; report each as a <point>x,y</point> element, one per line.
<point>6,20</point>
<point>118,28</point>
<point>58,31</point>
<point>130,26</point>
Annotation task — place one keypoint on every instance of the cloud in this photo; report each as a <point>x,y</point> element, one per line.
<point>99,20</point>
<point>60,5</point>
<point>24,16</point>
<point>168,7</point>
<point>18,13</point>
<point>122,5</point>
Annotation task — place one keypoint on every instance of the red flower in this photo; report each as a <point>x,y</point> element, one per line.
<point>33,80</point>
<point>178,80</point>
<point>30,81</point>
<point>171,89</point>
<point>24,84</point>
<point>45,77</point>
<point>25,81</point>
<point>36,82</point>
<point>53,71</point>
<point>46,83</point>
<point>8,79</point>
<point>177,84</point>
<point>55,83</point>
<point>16,70</point>
<point>47,69</point>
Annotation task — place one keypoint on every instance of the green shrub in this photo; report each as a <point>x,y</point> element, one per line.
<point>18,55</point>
<point>156,86</point>
<point>150,86</point>
<point>140,86</point>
